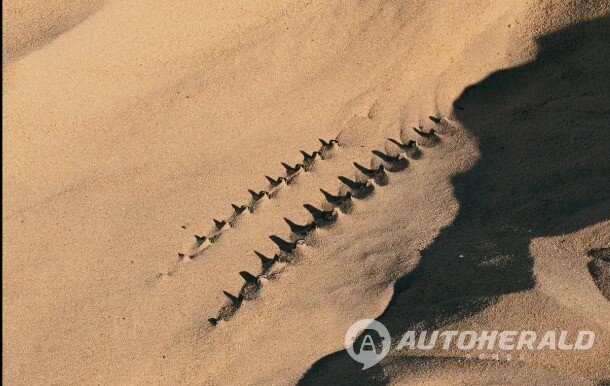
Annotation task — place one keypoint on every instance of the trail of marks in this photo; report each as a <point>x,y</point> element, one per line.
<point>202,242</point>
<point>334,205</point>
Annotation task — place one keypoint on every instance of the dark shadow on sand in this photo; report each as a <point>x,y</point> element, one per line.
<point>543,130</point>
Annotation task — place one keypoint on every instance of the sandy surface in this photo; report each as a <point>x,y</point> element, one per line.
<point>129,126</point>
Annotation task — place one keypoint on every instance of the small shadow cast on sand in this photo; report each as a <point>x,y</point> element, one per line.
<point>542,130</point>
<point>599,268</point>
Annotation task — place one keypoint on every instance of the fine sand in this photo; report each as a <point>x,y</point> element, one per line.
<point>129,126</point>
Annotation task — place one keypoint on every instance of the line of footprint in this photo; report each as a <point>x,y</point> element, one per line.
<point>275,185</point>
<point>288,249</point>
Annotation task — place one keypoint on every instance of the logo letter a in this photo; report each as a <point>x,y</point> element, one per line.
<point>367,344</point>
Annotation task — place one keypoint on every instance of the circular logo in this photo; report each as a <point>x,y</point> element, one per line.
<point>368,341</point>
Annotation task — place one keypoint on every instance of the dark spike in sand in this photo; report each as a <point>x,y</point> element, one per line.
<point>259,195</point>
<point>369,172</point>
<point>429,134</point>
<point>387,158</point>
<point>300,229</point>
<point>213,321</point>
<point>266,262</point>
<point>352,184</point>
<point>434,119</point>
<point>409,145</point>
<point>328,144</point>
<point>248,277</point>
<point>240,209</point>
<point>285,246</point>
<point>236,300</point>
<point>310,157</point>
<point>275,182</point>
<point>219,223</point>
<point>292,170</point>
<point>324,215</point>
<point>336,200</point>
<point>200,239</point>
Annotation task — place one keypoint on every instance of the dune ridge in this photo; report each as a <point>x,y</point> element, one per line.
<point>27,25</point>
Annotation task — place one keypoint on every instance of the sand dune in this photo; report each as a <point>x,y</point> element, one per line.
<point>465,188</point>
<point>28,25</point>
